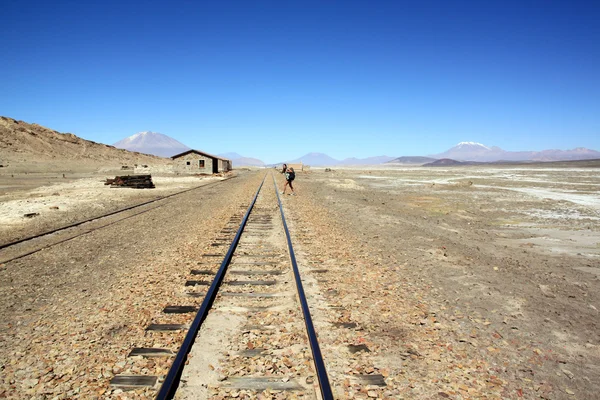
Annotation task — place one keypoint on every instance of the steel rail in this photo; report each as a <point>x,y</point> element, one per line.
<point>76,236</point>
<point>171,382</point>
<point>62,228</point>
<point>326,392</point>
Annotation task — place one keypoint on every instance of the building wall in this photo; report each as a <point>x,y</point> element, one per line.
<point>224,165</point>
<point>190,163</point>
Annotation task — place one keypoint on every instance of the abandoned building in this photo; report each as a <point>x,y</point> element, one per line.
<point>198,162</point>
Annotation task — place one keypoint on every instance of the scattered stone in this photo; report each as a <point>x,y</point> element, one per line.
<point>568,373</point>
<point>546,291</point>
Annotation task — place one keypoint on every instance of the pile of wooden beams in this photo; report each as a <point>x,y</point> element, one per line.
<point>131,181</point>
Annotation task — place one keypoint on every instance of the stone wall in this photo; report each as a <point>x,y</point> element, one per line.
<point>191,163</point>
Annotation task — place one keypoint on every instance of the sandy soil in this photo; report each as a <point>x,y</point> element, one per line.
<point>467,282</point>
<point>56,200</point>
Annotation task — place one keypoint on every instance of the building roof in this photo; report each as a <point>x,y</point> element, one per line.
<point>198,152</point>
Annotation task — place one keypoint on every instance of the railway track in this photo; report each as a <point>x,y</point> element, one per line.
<point>26,246</point>
<point>249,329</point>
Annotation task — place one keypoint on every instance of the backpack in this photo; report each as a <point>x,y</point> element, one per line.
<point>292,176</point>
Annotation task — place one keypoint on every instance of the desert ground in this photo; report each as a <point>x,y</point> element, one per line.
<point>467,282</point>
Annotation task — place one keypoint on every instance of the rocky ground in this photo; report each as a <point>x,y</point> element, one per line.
<point>71,313</point>
<point>463,283</point>
<point>57,201</point>
<point>451,283</point>
<point>31,148</point>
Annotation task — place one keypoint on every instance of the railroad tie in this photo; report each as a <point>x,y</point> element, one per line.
<point>180,309</point>
<point>260,384</point>
<point>256,272</point>
<point>348,325</point>
<point>249,353</point>
<point>166,327</point>
<point>133,381</point>
<point>256,295</point>
<point>197,283</point>
<point>202,272</point>
<point>150,352</point>
<point>252,283</point>
<point>371,380</point>
<point>355,348</point>
<point>256,263</point>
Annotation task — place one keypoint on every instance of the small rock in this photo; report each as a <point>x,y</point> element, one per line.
<point>568,373</point>
<point>31,382</point>
<point>546,291</point>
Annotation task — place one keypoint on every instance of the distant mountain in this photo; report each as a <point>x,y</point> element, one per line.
<point>443,162</point>
<point>579,153</point>
<point>230,155</point>
<point>247,162</point>
<point>472,151</point>
<point>240,161</point>
<point>447,162</point>
<point>365,161</point>
<point>408,160</point>
<point>152,143</point>
<point>323,160</point>
<point>315,160</point>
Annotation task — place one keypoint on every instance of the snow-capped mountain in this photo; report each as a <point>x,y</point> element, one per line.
<point>152,143</point>
<point>471,151</point>
<point>471,145</point>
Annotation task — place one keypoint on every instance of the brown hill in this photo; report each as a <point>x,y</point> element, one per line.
<point>34,148</point>
<point>444,162</point>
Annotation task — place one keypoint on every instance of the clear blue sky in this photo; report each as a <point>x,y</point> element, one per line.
<point>275,80</point>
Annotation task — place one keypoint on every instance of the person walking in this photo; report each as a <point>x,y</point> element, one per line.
<point>290,175</point>
<point>284,168</point>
